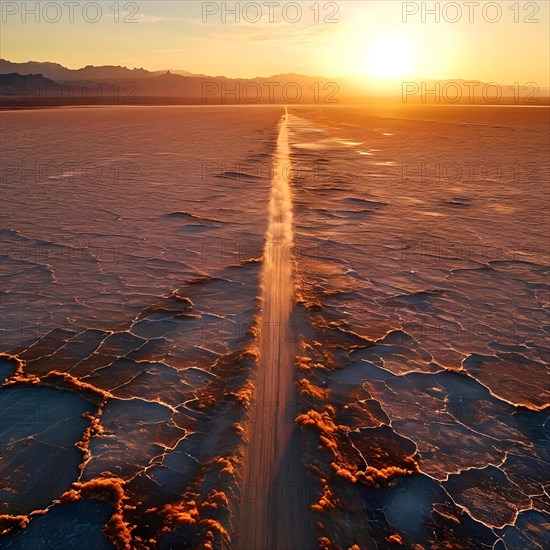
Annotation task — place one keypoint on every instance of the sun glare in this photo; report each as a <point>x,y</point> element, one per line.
<point>390,55</point>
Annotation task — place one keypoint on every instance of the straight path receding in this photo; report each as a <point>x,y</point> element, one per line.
<point>274,507</point>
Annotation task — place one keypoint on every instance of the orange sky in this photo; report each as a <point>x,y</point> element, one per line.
<point>500,41</point>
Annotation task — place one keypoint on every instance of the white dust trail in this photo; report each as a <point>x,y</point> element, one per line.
<point>273,512</point>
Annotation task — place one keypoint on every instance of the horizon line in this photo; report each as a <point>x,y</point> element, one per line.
<point>371,79</point>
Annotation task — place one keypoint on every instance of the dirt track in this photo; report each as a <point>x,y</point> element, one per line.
<point>274,506</point>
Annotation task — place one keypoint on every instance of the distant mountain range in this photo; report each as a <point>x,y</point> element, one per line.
<point>55,71</point>
<point>43,84</point>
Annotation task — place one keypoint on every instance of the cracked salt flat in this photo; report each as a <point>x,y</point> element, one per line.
<point>415,306</point>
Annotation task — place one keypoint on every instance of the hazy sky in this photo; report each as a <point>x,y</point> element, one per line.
<point>502,41</point>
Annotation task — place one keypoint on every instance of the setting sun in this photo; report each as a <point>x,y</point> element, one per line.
<point>390,55</point>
